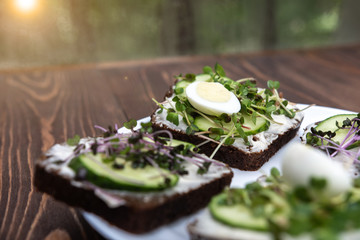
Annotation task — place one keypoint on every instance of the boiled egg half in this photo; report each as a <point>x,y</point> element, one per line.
<point>212,98</point>
<point>301,163</point>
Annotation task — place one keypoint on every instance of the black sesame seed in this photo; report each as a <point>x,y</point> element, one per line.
<point>118,166</point>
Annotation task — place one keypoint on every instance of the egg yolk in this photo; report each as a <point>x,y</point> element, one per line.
<point>214,92</point>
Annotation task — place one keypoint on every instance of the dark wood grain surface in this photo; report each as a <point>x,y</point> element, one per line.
<point>40,107</point>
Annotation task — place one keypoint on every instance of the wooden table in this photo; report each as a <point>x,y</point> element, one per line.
<point>40,107</point>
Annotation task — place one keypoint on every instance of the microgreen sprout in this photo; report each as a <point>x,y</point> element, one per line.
<point>139,148</point>
<point>130,124</point>
<point>349,146</point>
<point>73,141</point>
<point>296,211</point>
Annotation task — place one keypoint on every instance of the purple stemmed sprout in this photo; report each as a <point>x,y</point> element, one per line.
<point>148,146</point>
<point>351,139</point>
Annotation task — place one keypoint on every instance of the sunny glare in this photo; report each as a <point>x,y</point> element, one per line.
<point>25,5</point>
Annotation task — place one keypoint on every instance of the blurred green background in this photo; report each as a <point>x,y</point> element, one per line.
<point>56,32</point>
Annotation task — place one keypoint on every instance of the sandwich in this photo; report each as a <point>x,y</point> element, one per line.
<point>233,121</point>
<point>128,178</point>
<point>314,198</point>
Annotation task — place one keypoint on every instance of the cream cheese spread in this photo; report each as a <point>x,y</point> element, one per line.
<point>59,153</point>
<point>258,142</point>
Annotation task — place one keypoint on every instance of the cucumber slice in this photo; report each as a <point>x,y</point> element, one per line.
<point>183,84</point>
<point>241,216</point>
<point>103,174</point>
<point>329,124</point>
<point>249,127</point>
<point>237,215</point>
<point>175,143</point>
<point>203,78</point>
<point>204,124</point>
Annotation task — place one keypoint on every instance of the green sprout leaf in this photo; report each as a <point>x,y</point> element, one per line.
<point>270,108</point>
<point>357,182</point>
<point>180,107</point>
<point>229,141</point>
<point>207,70</point>
<point>241,132</point>
<point>204,168</point>
<point>218,131</point>
<point>190,77</point>
<point>318,183</point>
<point>253,117</point>
<point>173,118</point>
<point>273,84</point>
<point>130,124</point>
<point>192,129</point>
<point>275,172</point>
<point>225,117</point>
<point>73,141</point>
<point>179,90</point>
<point>146,127</point>
<point>176,99</point>
<point>220,70</point>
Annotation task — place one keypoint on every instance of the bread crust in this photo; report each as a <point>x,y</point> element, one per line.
<point>134,216</point>
<point>234,157</point>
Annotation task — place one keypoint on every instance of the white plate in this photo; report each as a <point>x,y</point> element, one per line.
<point>177,230</point>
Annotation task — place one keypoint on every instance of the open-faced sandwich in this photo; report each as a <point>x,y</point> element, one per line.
<point>315,198</point>
<point>136,181</point>
<point>339,137</point>
<point>233,121</point>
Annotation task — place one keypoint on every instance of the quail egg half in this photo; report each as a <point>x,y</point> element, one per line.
<point>302,162</point>
<point>212,98</point>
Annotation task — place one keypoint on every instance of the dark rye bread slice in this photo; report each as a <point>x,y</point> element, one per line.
<point>136,215</point>
<point>234,157</point>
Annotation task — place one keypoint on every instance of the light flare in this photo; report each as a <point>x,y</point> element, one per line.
<point>26,5</point>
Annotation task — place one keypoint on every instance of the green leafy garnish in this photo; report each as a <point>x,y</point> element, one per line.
<point>297,211</point>
<point>173,117</point>
<point>73,141</point>
<point>273,84</point>
<point>130,124</point>
<point>220,70</point>
<point>138,149</point>
<point>255,104</point>
<point>204,168</point>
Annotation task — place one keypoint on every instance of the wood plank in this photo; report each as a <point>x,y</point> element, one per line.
<point>32,106</point>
